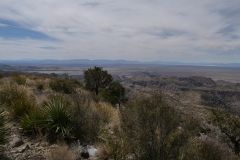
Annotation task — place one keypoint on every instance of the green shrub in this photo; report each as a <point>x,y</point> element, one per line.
<point>16,100</point>
<point>114,93</point>
<point>40,86</point>
<point>1,75</point>
<point>197,149</point>
<point>88,118</point>
<point>117,145</point>
<point>20,80</point>
<point>152,130</point>
<point>149,129</point>
<point>87,124</point>
<point>66,86</point>
<point>53,119</point>
<point>34,123</point>
<point>58,117</point>
<point>96,78</point>
<point>230,125</point>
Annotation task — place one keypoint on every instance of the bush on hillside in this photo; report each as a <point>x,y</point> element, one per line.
<point>3,133</point>
<point>58,117</point>
<point>34,123</point>
<point>20,80</point>
<point>153,130</point>
<point>230,125</point>
<point>217,99</point>
<point>40,86</point>
<point>149,129</point>
<point>117,145</point>
<point>53,119</point>
<point>83,119</point>
<point>96,78</point>
<point>114,93</point>
<point>89,118</point>
<point>66,86</point>
<point>1,75</point>
<point>197,149</point>
<point>17,100</point>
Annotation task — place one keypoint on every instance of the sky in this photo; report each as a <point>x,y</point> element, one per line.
<point>196,31</point>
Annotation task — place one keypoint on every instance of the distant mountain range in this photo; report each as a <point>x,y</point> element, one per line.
<point>76,62</point>
<point>6,67</point>
<point>100,62</point>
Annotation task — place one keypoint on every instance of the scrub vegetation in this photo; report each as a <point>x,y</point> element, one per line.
<point>97,111</point>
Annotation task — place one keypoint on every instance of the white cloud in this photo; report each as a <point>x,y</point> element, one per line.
<point>164,30</point>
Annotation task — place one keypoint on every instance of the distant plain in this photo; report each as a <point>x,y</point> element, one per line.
<point>230,74</point>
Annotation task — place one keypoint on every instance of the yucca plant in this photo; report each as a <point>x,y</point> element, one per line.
<point>34,123</point>
<point>58,117</point>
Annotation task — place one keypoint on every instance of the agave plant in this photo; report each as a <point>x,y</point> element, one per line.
<point>58,117</point>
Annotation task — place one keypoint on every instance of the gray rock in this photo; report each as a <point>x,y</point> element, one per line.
<point>23,148</point>
<point>92,151</point>
<point>16,142</point>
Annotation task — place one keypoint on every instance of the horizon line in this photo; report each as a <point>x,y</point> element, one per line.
<point>126,62</point>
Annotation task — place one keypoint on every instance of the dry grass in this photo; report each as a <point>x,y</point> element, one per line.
<point>208,149</point>
<point>19,79</point>
<point>19,100</point>
<point>110,112</point>
<point>61,153</point>
<point>103,152</point>
<point>90,117</point>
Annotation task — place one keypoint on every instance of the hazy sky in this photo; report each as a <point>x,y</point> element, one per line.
<point>145,30</point>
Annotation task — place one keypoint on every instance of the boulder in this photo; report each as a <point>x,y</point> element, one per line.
<point>92,151</point>
<point>23,148</point>
<point>16,142</point>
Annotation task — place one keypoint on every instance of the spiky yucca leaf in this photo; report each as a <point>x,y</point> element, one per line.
<point>34,122</point>
<point>58,116</point>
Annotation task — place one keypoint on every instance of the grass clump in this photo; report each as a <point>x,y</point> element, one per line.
<point>58,116</point>
<point>230,125</point>
<point>1,75</point>
<point>89,118</point>
<point>150,129</point>
<point>53,119</point>
<point>20,80</point>
<point>114,93</point>
<point>208,149</point>
<point>3,133</point>
<point>17,100</point>
<point>59,119</point>
<point>66,86</point>
<point>34,123</point>
<point>153,124</point>
<point>40,86</point>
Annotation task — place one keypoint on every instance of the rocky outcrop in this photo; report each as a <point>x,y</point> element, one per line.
<point>21,147</point>
<point>16,142</point>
